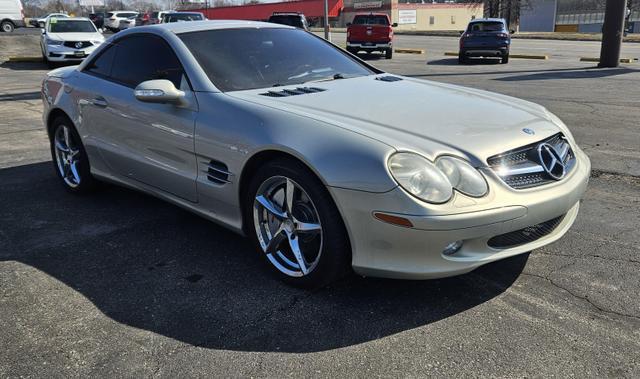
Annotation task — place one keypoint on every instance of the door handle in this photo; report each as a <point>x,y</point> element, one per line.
<point>100,102</point>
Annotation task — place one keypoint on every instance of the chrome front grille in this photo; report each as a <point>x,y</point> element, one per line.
<point>536,164</point>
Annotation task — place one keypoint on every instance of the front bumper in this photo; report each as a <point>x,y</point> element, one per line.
<point>386,250</point>
<point>66,54</point>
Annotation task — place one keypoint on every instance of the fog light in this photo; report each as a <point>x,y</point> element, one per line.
<point>452,248</point>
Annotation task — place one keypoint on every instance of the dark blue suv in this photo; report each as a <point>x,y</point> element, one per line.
<point>485,37</point>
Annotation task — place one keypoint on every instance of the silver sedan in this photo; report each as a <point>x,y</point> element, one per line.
<point>328,164</point>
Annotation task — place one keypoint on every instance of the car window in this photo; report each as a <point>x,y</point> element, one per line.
<point>101,66</point>
<point>184,17</point>
<point>71,26</point>
<point>109,14</point>
<point>240,59</point>
<point>290,20</point>
<point>370,20</point>
<point>126,15</point>
<point>488,26</point>
<point>145,57</point>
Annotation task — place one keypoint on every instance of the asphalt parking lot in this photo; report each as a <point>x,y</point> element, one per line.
<point>121,284</point>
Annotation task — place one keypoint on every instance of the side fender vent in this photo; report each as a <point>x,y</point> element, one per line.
<point>388,78</point>
<point>293,92</point>
<point>218,172</point>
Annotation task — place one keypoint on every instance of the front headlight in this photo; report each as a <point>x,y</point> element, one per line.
<point>462,176</point>
<point>96,42</point>
<point>421,178</point>
<point>53,42</point>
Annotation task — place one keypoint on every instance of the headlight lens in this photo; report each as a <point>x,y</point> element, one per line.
<point>463,176</point>
<point>53,42</point>
<point>420,177</point>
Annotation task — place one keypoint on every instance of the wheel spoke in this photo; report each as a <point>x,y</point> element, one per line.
<point>288,197</point>
<point>295,248</point>
<point>74,172</point>
<point>61,147</point>
<point>307,227</point>
<point>275,242</point>
<point>67,139</point>
<point>271,207</point>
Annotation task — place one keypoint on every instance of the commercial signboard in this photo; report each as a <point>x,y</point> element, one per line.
<point>367,5</point>
<point>407,16</point>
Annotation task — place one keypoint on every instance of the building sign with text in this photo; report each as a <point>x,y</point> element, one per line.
<point>407,16</point>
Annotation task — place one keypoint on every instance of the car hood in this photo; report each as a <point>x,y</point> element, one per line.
<point>76,36</point>
<point>416,115</point>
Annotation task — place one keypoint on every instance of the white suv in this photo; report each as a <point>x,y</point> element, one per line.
<point>113,18</point>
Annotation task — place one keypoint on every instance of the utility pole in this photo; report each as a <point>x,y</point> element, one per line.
<point>327,33</point>
<point>612,32</point>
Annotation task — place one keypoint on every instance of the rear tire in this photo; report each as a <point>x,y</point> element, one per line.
<point>389,53</point>
<point>313,224</point>
<point>505,59</point>
<point>7,26</point>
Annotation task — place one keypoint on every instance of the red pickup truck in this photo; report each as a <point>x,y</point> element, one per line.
<point>370,32</point>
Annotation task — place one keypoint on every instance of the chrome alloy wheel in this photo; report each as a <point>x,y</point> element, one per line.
<point>288,226</point>
<point>67,156</point>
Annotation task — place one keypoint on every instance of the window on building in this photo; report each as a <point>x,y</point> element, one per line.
<point>432,20</point>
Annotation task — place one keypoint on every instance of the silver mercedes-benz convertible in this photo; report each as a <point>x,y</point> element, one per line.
<point>327,163</point>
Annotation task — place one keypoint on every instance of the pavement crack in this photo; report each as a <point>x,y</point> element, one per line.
<point>584,256</point>
<point>584,298</point>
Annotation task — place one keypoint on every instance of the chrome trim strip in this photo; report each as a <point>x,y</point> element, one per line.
<point>525,168</point>
<point>210,167</point>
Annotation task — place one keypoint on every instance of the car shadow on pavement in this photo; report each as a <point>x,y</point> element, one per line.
<point>153,266</point>
<point>590,73</point>
<point>470,62</point>
<point>20,96</point>
<point>24,66</point>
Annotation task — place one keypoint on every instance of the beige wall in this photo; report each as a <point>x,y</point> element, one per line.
<point>452,17</point>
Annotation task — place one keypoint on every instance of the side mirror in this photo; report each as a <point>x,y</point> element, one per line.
<point>394,24</point>
<point>101,30</point>
<point>43,31</point>
<point>348,24</point>
<point>160,91</point>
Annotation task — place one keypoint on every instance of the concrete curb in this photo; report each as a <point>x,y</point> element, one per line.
<point>597,60</point>
<point>25,59</point>
<point>408,51</point>
<point>518,56</point>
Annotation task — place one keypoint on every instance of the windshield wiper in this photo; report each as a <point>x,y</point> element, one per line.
<point>328,78</point>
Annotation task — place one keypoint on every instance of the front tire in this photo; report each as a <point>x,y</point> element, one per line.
<point>505,59</point>
<point>296,226</point>
<point>70,159</point>
<point>7,26</point>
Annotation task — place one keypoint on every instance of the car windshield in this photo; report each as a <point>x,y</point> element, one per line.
<point>242,59</point>
<point>71,26</point>
<point>370,20</point>
<point>493,26</point>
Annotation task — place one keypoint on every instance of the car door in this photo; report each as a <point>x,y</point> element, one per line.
<point>149,143</point>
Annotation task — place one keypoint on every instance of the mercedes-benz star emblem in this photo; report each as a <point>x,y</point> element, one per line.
<point>551,161</point>
<point>529,131</point>
<point>78,45</point>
